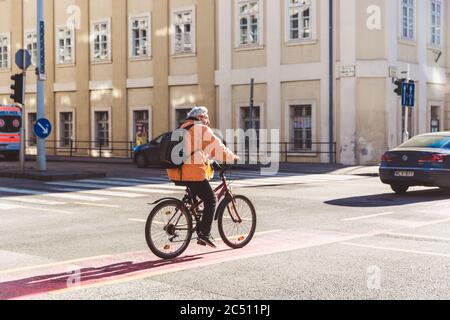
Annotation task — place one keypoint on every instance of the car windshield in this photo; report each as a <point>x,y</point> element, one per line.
<point>9,124</point>
<point>435,142</point>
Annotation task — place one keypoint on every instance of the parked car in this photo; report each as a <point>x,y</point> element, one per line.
<point>422,161</point>
<point>149,154</point>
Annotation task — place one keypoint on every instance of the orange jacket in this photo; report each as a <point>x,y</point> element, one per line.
<point>202,145</point>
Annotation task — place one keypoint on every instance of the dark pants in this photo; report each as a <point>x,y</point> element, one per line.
<point>204,191</point>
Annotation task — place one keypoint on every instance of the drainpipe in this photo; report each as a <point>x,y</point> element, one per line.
<point>331,84</point>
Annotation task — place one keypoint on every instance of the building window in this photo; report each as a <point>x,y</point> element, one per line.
<point>4,52</point>
<point>435,119</point>
<point>301,128</point>
<point>140,127</point>
<point>249,22</point>
<point>31,137</point>
<point>65,46</point>
<point>31,43</point>
<point>140,37</point>
<point>102,129</point>
<point>101,40</point>
<point>436,22</point>
<point>66,129</point>
<point>408,19</point>
<point>299,19</point>
<point>180,116</point>
<point>184,32</point>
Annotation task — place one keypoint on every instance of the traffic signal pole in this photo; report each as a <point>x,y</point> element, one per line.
<point>40,99</point>
<point>22,127</point>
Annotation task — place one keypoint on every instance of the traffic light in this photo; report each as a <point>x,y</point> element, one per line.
<point>17,88</point>
<point>399,86</point>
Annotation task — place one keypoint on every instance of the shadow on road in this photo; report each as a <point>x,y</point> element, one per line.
<point>43,284</point>
<point>391,199</point>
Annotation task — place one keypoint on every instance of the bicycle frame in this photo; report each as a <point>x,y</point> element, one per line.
<point>223,191</point>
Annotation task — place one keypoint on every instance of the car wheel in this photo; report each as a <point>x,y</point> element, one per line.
<point>399,188</point>
<point>141,161</point>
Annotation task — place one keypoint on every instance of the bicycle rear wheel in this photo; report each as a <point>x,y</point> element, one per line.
<point>237,234</point>
<point>168,230</point>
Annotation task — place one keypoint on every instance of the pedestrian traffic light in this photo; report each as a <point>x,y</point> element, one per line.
<point>17,88</point>
<point>399,86</point>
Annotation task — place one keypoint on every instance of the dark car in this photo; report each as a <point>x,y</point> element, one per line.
<point>149,154</point>
<point>422,161</point>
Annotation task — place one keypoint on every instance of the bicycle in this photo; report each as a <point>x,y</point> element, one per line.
<point>172,223</point>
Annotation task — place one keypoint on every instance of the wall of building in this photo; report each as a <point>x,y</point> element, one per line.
<point>218,73</point>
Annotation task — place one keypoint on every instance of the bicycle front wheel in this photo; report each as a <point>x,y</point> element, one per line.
<point>168,230</point>
<point>237,221</point>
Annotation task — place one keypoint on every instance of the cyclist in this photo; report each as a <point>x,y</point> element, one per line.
<point>201,145</point>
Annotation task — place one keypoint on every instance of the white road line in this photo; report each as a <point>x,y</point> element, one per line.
<point>138,220</point>
<point>5,206</point>
<point>395,249</point>
<point>369,216</point>
<point>35,201</point>
<point>417,236</point>
<point>71,196</point>
<point>53,195</point>
<point>100,193</point>
<point>49,210</point>
<point>133,187</point>
<point>150,180</point>
<point>97,205</point>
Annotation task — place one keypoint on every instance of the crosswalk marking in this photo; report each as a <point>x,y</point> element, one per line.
<point>102,193</point>
<point>6,206</point>
<point>147,188</point>
<point>35,201</point>
<point>94,191</point>
<point>47,194</point>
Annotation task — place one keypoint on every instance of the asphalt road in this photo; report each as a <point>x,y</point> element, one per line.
<point>318,237</point>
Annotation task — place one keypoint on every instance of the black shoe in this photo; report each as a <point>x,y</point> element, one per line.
<point>206,241</point>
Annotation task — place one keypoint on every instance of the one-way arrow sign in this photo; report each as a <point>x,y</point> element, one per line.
<point>43,128</point>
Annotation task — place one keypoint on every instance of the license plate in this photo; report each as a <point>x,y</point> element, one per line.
<point>404,174</point>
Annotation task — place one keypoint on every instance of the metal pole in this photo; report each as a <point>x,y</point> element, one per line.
<point>252,90</point>
<point>40,88</point>
<point>406,134</point>
<point>331,84</point>
<point>22,125</point>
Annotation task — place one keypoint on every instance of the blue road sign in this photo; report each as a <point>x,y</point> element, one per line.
<point>43,128</point>
<point>23,59</point>
<point>408,94</point>
<point>41,68</point>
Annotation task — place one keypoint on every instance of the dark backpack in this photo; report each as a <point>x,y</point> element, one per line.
<point>168,146</point>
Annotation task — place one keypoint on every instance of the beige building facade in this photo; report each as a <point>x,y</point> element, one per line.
<point>121,72</point>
